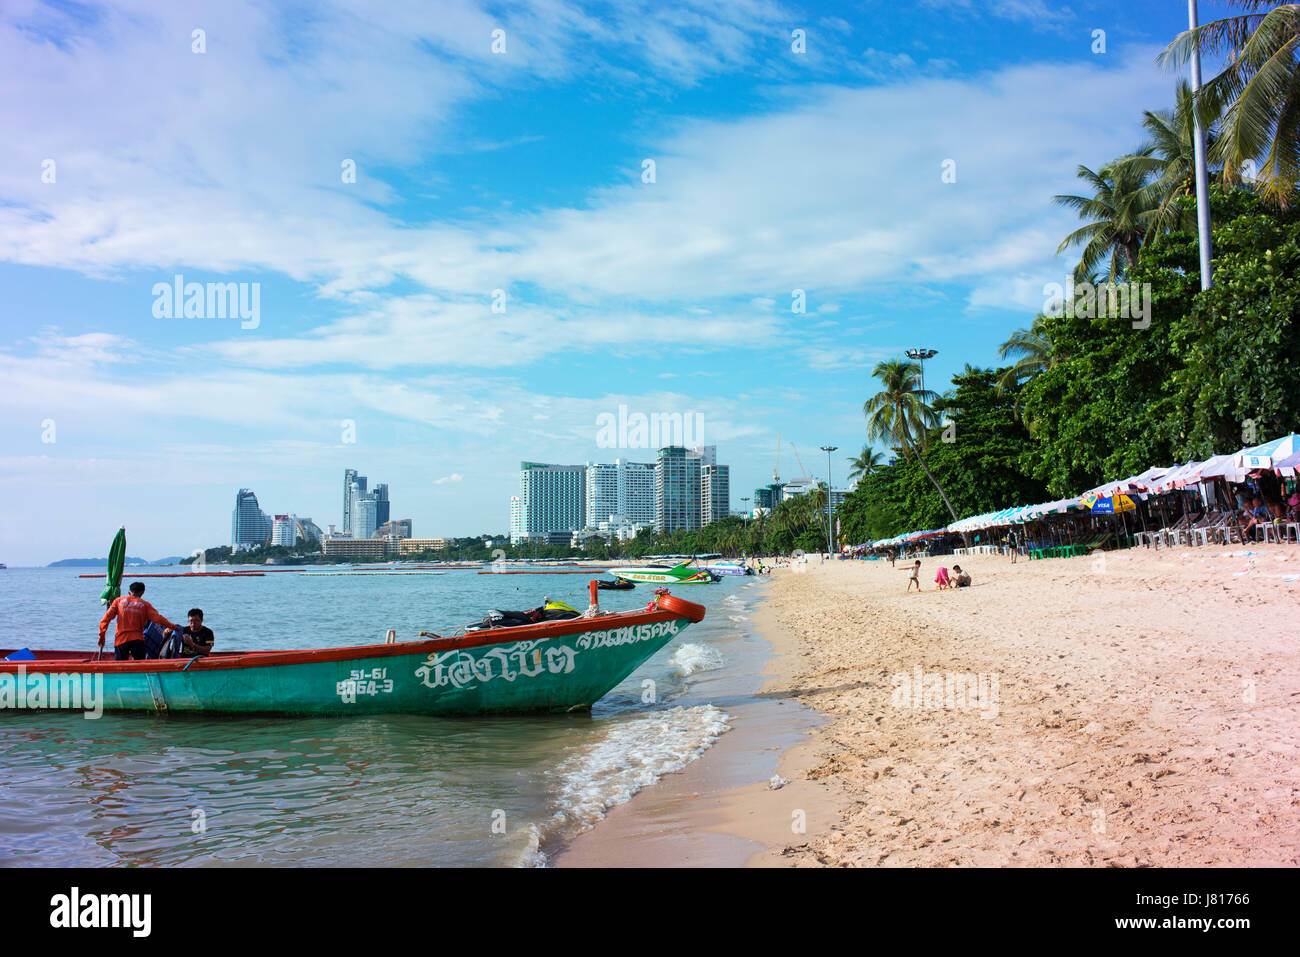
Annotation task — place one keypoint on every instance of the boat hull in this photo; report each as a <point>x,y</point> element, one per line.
<point>553,666</point>
<point>664,577</point>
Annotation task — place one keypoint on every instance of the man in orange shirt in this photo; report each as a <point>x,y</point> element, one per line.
<point>133,614</point>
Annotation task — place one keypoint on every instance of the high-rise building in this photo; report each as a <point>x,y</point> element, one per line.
<point>551,499</point>
<point>249,525</point>
<point>715,493</point>
<point>364,512</point>
<point>381,503</point>
<point>624,489</point>
<point>707,454</point>
<point>677,490</point>
<point>636,497</point>
<point>516,519</point>
<point>308,531</point>
<point>767,496</point>
<point>602,492</point>
<point>349,480</point>
<point>283,531</point>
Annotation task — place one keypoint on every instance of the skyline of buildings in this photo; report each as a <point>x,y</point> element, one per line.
<point>683,489</point>
<point>251,527</point>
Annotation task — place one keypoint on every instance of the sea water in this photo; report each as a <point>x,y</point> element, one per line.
<point>150,789</point>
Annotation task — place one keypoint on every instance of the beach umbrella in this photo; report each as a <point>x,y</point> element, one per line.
<point>116,562</point>
<point>1287,466</point>
<point>1109,504</point>
<point>1263,456</point>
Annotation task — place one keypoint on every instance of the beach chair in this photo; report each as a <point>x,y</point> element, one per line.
<point>1180,533</point>
<point>1229,531</point>
<point>1202,530</point>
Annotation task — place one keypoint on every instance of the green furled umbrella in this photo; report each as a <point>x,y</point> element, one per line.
<point>116,562</point>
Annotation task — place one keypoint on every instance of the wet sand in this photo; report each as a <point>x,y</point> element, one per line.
<point>721,810</point>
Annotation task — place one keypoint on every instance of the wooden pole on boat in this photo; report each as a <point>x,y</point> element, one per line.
<point>594,590</point>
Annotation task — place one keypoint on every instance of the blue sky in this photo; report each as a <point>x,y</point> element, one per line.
<point>520,171</point>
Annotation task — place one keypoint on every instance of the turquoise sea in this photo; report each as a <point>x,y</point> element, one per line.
<point>149,790</point>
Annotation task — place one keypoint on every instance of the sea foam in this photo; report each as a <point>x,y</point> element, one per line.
<point>633,755</point>
<point>691,659</point>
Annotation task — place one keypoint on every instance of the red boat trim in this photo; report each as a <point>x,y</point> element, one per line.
<point>670,608</point>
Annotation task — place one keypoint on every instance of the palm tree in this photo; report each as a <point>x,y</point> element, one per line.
<point>1032,351</point>
<point>1169,159</point>
<point>865,463</point>
<point>1117,218</point>
<point>900,413</point>
<point>1257,96</point>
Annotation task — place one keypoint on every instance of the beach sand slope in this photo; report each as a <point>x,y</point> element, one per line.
<point>1139,708</point>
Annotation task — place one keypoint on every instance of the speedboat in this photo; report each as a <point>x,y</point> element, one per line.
<point>681,574</point>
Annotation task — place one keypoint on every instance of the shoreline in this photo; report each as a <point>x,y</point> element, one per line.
<point>720,811</point>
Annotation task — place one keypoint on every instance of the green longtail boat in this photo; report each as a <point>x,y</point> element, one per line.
<point>549,666</point>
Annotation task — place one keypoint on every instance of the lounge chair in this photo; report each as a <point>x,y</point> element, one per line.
<point>1203,529</point>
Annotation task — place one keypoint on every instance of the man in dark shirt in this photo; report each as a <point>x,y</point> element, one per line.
<point>196,640</point>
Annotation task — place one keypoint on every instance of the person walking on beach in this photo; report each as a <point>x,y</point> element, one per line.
<point>916,578</point>
<point>1014,541</point>
<point>133,613</point>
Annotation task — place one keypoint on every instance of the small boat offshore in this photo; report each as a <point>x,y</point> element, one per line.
<point>730,567</point>
<point>553,666</point>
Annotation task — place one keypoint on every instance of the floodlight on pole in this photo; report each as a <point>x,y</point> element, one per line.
<point>920,355</point>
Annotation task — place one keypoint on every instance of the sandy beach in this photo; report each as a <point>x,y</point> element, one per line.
<point>1133,709</point>
<point>1136,709</point>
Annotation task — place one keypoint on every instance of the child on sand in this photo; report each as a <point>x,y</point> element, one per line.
<point>941,579</point>
<point>916,577</point>
<point>961,579</point>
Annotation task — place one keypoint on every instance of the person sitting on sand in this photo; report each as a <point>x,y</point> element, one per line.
<point>961,578</point>
<point>916,577</point>
<point>941,578</point>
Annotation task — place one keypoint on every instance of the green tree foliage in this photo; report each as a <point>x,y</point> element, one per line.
<point>975,458</point>
<point>1119,399</point>
<point>1239,342</point>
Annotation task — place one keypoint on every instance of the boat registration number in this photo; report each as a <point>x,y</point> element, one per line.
<point>364,682</point>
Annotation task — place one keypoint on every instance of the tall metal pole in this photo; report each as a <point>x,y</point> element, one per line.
<point>1202,174</point>
<point>830,521</point>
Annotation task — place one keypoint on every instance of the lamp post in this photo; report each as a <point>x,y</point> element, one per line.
<point>920,355</point>
<point>1202,176</point>
<point>830,521</point>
